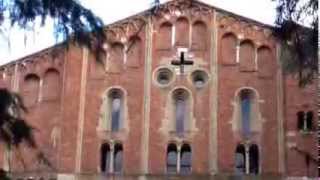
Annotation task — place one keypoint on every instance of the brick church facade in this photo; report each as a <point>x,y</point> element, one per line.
<point>192,89</point>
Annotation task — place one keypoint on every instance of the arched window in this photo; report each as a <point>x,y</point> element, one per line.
<point>265,62</point>
<point>116,58</point>
<point>181,110</point>
<point>254,159</point>
<point>116,109</point>
<point>182,32</point>
<point>172,155</point>
<point>51,84</point>
<point>105,158</point>
<point>165,36</point>
<point>118,158</point>
<point>31,87</point>
<point>199,36</point>
<point>247,56</point>
<point>228,49</point>
<point>134,52</point>
<point>240,161</point>
<point>186,159</point>
<point>246,111</point>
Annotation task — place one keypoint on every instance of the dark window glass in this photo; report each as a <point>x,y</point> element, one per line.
<point>185,159</point>
<point>309,120</point>
<point>254,159</point>
<point>240,161</point>
<point>172,158</point>
<point>245,112</point>
<point>300,120</point>
<point>118,156</point>
<point>105,158</point>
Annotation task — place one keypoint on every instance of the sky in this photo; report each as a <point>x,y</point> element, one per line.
<point>16,43</point>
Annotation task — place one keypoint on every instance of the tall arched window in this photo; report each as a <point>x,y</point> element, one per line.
<point>51,84</point>
<point>31,88</point>
<point>199,36</point>
<point>240,161</point>
<point>186,159</point>
<point>247,56</point>
<point>246,111</point>
<point>118,158</point>
<point>134,52</point>
<point>116,110</point>
<point>172,155</point>
<point>181,110</point>
<point>165,36</point>
<point>105,158</point>
<point>182,32</point>
<point>116,58</point>
<point>228,49</point>
<point>265,61</point>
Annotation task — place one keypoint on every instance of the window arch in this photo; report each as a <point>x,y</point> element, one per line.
<point>228,49</point>
<point>199,36</point>
<point>165,36</point>
<point>247,56</point>
<point>172,158</point>
<point>31,89</point>
<point>182,111</point>
<point>182,32</point>
<point>112,110</point>
<point>186,159</point>
<point>51,84</point>
<point>265,61</point>
<point>134,52</point>
<point>116,58</point>
<point>248,115</point>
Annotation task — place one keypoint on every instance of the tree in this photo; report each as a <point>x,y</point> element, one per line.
<point>297,27</point>
<point>72,21</point>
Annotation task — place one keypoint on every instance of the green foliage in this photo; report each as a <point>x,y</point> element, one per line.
<point>299,42</point>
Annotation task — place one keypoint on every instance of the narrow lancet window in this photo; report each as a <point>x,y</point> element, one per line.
<point>116,110</point>
<point>118,158</point>
<point>186,159</point>
<point>240,161</point>
<point>105,158</point>
<point>182,111</point>
<point>172,158</point>
<point>309,119</point>
<point>245,112</point>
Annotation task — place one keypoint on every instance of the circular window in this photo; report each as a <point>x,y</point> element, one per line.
<point>164,76</point>
<point>199,78</point>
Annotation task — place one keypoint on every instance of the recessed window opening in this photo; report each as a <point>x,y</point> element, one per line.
<point>116,107</point>
<point>181,111</point>
<point>118,158</point>
<point>240,161</point>
<point>172,155</point>
<point>246,108</point>
<point>186,159</point>
<point>105,158</point>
